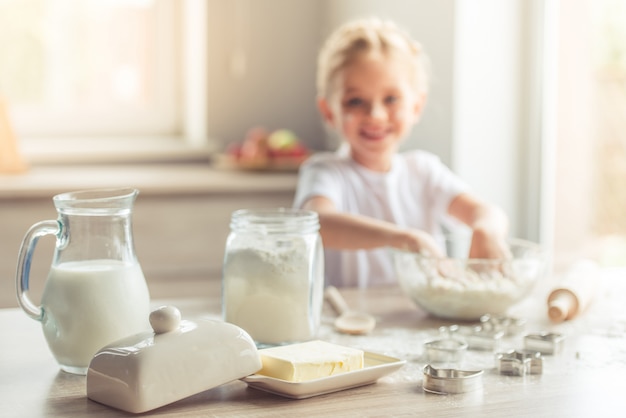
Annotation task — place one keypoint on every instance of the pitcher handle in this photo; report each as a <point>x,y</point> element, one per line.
<point>22,275</point>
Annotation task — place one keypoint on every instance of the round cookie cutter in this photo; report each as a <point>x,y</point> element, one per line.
<point>449,381</point>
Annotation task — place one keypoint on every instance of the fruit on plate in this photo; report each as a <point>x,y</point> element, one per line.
<point>254,149</point>
<point>285,144</point>
<point>262,149</point>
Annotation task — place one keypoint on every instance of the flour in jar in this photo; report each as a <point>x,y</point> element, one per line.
<point>268,293</point>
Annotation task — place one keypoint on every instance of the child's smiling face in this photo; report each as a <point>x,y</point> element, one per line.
<point>373,106</point>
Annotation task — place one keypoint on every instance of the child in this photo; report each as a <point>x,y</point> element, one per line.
<point>372,86</point>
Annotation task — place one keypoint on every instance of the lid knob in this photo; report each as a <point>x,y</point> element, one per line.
<point>165,319</point>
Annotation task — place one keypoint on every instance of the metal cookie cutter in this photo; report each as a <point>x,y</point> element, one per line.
<point>484,339</point>
<point>445,381</point>
<point>509,325</point>
<point>477,337</point>
<point>447,351</point>
<point>545,343</point>
<point>453,331</point>
<point>519,363</point>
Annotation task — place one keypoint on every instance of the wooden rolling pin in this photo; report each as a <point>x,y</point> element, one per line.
<point>575,291</point>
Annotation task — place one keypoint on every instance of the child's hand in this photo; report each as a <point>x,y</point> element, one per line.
<point>486,245</point>
<point>417,241</point>
<point>489,224</point>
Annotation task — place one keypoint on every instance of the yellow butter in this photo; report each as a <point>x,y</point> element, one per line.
<point>309,360</point>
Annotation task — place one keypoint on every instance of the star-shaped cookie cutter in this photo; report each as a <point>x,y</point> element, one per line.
<point>519,363</point>
<point>449,381</point>
<point>545,342</point>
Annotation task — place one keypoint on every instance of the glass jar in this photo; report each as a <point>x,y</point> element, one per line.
<point>273,275</point>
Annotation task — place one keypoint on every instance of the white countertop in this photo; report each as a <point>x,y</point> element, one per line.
<point>583,380</point>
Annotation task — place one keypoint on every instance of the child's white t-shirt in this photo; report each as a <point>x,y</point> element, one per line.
<point>415,193</point>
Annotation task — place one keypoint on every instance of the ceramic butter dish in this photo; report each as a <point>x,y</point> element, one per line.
<point>179,359</point>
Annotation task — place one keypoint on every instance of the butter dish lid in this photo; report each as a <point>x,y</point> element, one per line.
<point>179,358</point>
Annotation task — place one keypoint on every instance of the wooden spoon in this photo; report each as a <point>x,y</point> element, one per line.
<point>348,321</point>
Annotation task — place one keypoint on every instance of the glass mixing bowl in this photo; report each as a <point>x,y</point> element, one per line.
<point>457,287</point>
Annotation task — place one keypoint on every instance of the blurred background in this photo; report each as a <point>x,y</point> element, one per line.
<point>527,102</point>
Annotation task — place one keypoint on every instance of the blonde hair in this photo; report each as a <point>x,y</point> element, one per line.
<point>355,38</point>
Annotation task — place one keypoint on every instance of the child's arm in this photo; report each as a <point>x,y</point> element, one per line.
<point>489,224</point>
<point>347,231</point>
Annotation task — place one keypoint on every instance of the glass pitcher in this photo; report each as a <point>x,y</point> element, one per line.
<point>95,292</point>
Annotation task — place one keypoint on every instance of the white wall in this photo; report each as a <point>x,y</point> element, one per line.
<point>488,114</point>
<point>262,67</point>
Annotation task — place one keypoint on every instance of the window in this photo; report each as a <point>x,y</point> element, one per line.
<point>85,69</point>
<point>590,157</point>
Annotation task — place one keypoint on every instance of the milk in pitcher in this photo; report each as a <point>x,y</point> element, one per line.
<point>111,299</point>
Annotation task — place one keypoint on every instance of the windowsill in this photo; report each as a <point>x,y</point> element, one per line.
<point>161,166</point>
<point>167,179</point>
<point>52,151</point>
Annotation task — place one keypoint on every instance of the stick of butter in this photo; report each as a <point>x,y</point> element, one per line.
<point>309,360</point>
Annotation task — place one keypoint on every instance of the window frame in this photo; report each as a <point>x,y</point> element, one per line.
<point>190,140</point>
